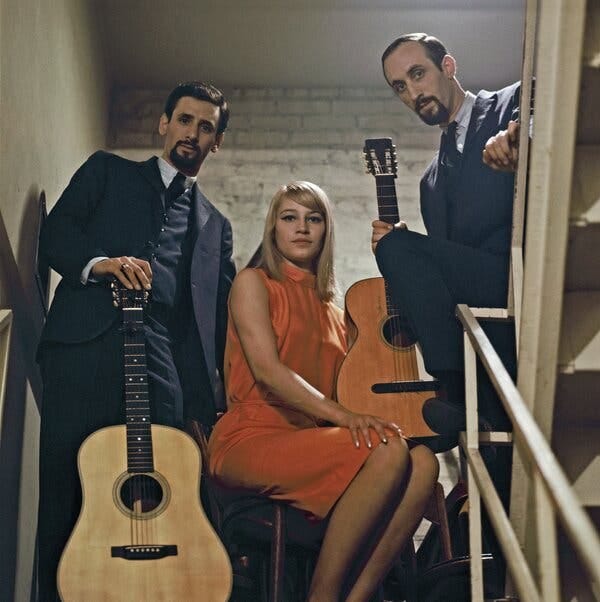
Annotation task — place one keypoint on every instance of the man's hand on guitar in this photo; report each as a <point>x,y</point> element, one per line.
<point>380,229</point>
<point>501,151</point>
<point>131,272</point>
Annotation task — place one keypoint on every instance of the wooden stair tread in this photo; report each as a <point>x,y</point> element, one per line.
<point>580,332</point>
<point>578,450</point>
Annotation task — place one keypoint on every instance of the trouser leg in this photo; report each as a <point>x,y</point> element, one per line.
<point>82,392</point>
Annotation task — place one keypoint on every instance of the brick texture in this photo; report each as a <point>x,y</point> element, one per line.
<point>276,135</point>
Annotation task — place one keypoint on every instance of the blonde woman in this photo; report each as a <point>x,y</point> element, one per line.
<point>284,436</point>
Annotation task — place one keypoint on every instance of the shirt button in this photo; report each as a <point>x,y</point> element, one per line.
<point>162,229</point>
<point>158,245</point>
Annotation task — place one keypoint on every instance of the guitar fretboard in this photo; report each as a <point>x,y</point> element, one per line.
<point>137,402</point>
<point>387,206</point>
<point>387,202</point>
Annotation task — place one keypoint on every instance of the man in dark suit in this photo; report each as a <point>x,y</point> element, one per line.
<point>149,226</point>
<point>466,204</point>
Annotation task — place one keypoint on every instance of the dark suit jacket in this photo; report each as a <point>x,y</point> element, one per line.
<point>113,207</point>
<point>482,217</point>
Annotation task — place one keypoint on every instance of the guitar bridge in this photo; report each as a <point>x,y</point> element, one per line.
<point>406,386</point>
<point>148,552</point>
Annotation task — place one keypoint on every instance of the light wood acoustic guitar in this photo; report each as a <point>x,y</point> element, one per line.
<point>382,373</point>
<point>142,534</point>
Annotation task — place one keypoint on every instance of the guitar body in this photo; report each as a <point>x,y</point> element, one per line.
<point>380,356</point>
<point>177,554</point>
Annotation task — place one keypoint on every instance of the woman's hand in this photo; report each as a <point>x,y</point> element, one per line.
<point>359,425</point>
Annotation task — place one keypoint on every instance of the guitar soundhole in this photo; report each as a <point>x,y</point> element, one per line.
<point>397,333</point>
<point>141,494</point>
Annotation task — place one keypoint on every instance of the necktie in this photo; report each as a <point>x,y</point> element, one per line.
<point>451,156</point>
<point>176,188</point>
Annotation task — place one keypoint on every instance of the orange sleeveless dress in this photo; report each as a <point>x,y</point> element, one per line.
<point>262,446</point>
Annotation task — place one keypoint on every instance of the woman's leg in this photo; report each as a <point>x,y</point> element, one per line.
<point>421,480</point>
<point>369,499</point>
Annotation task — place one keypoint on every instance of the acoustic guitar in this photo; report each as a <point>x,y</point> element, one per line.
<point>142,534</point>
<point>382,373</point>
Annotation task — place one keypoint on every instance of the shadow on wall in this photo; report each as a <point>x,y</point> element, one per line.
<point>19,292</point>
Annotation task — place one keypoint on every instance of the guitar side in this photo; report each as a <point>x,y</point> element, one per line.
<point>373,360</point>
<point>198,570</point>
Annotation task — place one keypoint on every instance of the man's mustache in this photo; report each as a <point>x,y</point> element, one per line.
<point>189,143</point>
<point>422,101</point>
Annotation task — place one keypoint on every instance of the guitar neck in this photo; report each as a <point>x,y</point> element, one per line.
<point>387,202</point>
<point>387,206</point>
<point>137,402</point>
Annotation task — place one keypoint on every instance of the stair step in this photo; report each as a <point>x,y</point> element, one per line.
<point>585,189</point>
<point>577,398</point>
<point>578,450</point>
<point>580,332</point>
<point>588,124</point>
<point>582,272</point>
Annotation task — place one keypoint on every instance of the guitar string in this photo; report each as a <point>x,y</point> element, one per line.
<point>404,363</point>
<point>141,492</point>
<point>388,212</point>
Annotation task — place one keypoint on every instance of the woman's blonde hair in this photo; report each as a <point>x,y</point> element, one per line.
<point>312,197</point>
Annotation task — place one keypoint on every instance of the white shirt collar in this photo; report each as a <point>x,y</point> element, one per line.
<point>462,118</point>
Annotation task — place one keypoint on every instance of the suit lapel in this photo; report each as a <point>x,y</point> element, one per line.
<point>205,275</point>
<point>151,173</point>
<point>149,169</point>
<point>481,109</point>
<point>433,203</point>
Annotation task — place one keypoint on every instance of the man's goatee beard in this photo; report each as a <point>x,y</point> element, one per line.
<point>183,163</point>
<point>442,115</point>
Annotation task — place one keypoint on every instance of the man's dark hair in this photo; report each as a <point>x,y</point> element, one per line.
<point>200,91</point>
<point>434,49</point>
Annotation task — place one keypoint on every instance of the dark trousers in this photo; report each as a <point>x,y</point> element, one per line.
<point>82,393</point>
<point>427,278</point>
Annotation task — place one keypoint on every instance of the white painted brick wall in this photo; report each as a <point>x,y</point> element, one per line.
<point>277,135</point>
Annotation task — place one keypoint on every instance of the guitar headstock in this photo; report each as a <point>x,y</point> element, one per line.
<point>380,157</point>
<point>127,298</point>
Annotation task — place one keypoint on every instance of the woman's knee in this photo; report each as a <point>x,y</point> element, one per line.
<point>424,461</point>
<point>394,455</point>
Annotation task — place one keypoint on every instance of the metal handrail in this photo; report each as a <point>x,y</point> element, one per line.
<point>579,528</point>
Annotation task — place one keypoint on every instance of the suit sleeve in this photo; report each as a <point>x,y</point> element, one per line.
<point>63,239</point>
<point>226,274</point>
